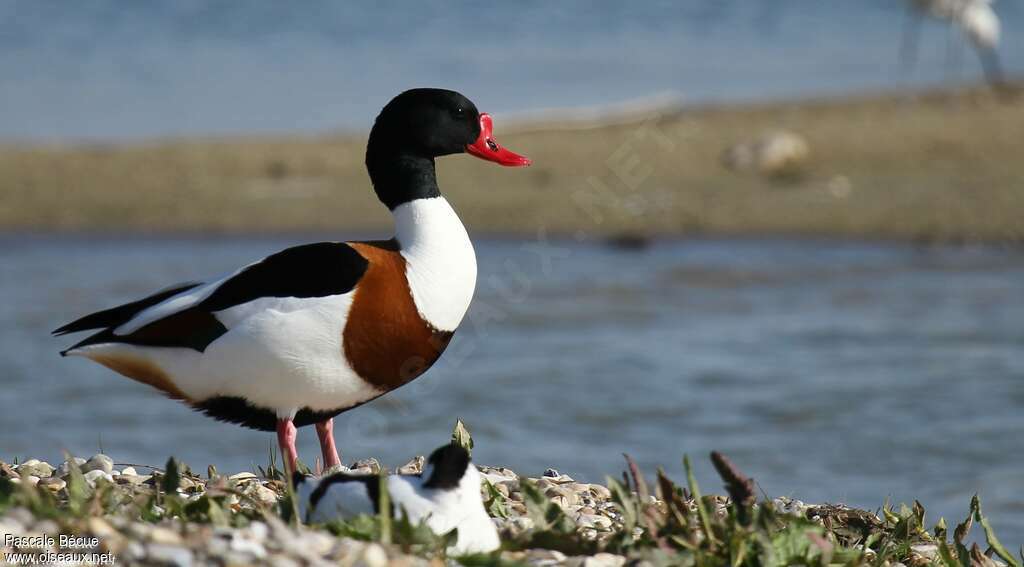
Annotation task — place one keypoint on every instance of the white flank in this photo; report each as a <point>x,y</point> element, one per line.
<point>440,261</point>
<point>443,510</point>
<point>279,353</point>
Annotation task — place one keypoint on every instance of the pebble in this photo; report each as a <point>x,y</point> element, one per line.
<point>52,483</point>
<point>928,551</point>
<point>790,506</point>
<point>502,488</point>
<point>604,560</point>
<point>365,466</point>
<point>164,536</point>
<point>561,496</point>
<point>169,555</point>
<point>20,516</point>
<point>544,557</point>
<point>318,543</point>
<point>600,491</point>
<point>374,555</point>
<point>339,468</point>
<point>95,475</point>
<point>498,474</point>
<point>775,153</point>
<point>249,547</point>
<point>264,494</point>
<point>35,467</point>
<point>595,521</point>
<point>259,530</point>
<point>129,471</point>
<point>242,476</point>
<point>283,561</point>
<point>414,466</point>
<point>65,468</point>
<point>101,528</point>
<point>8,526</point>
<point>99,462</point>
<point>132,478</point>
<point>46,527</point>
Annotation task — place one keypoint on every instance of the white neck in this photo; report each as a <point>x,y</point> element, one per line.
<point>440,261</point>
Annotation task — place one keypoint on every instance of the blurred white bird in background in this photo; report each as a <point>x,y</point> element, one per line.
<point>975,19</point>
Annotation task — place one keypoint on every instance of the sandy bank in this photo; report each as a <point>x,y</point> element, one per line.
<point>941,165</point>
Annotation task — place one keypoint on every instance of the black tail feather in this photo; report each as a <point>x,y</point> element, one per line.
<point>104,336</point>
<point>119,315</point>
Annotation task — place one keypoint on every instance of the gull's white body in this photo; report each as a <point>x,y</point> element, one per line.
<point>459,508</point>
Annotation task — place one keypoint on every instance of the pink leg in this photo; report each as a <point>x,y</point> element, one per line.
<point>286,435</point>
<point>325,431</point>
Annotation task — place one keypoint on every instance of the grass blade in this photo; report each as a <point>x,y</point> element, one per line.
<point>702,511</point>
<point>990,534</point>
<point>384,513</point>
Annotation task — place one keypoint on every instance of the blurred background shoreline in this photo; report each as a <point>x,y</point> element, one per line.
<point>930,165</point>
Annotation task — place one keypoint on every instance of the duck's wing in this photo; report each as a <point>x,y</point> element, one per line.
<point>185,316</point>
<point>122,313</point>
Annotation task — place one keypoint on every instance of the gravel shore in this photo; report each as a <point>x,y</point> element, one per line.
<point>100,512</point>
<point>269,540</point>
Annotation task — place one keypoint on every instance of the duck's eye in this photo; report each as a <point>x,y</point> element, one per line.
<point>460,111</point>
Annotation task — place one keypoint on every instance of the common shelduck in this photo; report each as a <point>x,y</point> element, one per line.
<point>446,497</point>
<point>309,332</point>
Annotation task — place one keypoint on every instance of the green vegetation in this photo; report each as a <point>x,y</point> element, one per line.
<point>666,525</point>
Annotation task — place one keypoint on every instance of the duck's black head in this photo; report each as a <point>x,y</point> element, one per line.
<point>418,126</point>
<point>445,467</point>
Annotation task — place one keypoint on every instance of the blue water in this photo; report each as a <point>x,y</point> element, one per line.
<point>828,371</point>
<point>116,69</point>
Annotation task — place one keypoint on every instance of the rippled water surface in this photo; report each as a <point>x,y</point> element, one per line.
<point>110,69</point>
<point>828,371</point>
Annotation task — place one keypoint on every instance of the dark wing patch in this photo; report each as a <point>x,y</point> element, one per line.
<point>119,315</point>
<point>192,328</point>
<point>310,270</point>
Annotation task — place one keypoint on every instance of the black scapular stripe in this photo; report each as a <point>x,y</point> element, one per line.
<point>370,481</point>
<point>120,315</point>
<point>309,270</point>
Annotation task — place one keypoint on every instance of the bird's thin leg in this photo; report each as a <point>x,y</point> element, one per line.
<point>325,431</point>
<point>911,38</point>
<point>990,64</point>
<point>286,435</point>
<point>954,52</point>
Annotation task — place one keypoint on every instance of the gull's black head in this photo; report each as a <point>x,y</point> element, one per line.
<point>445,467</point>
